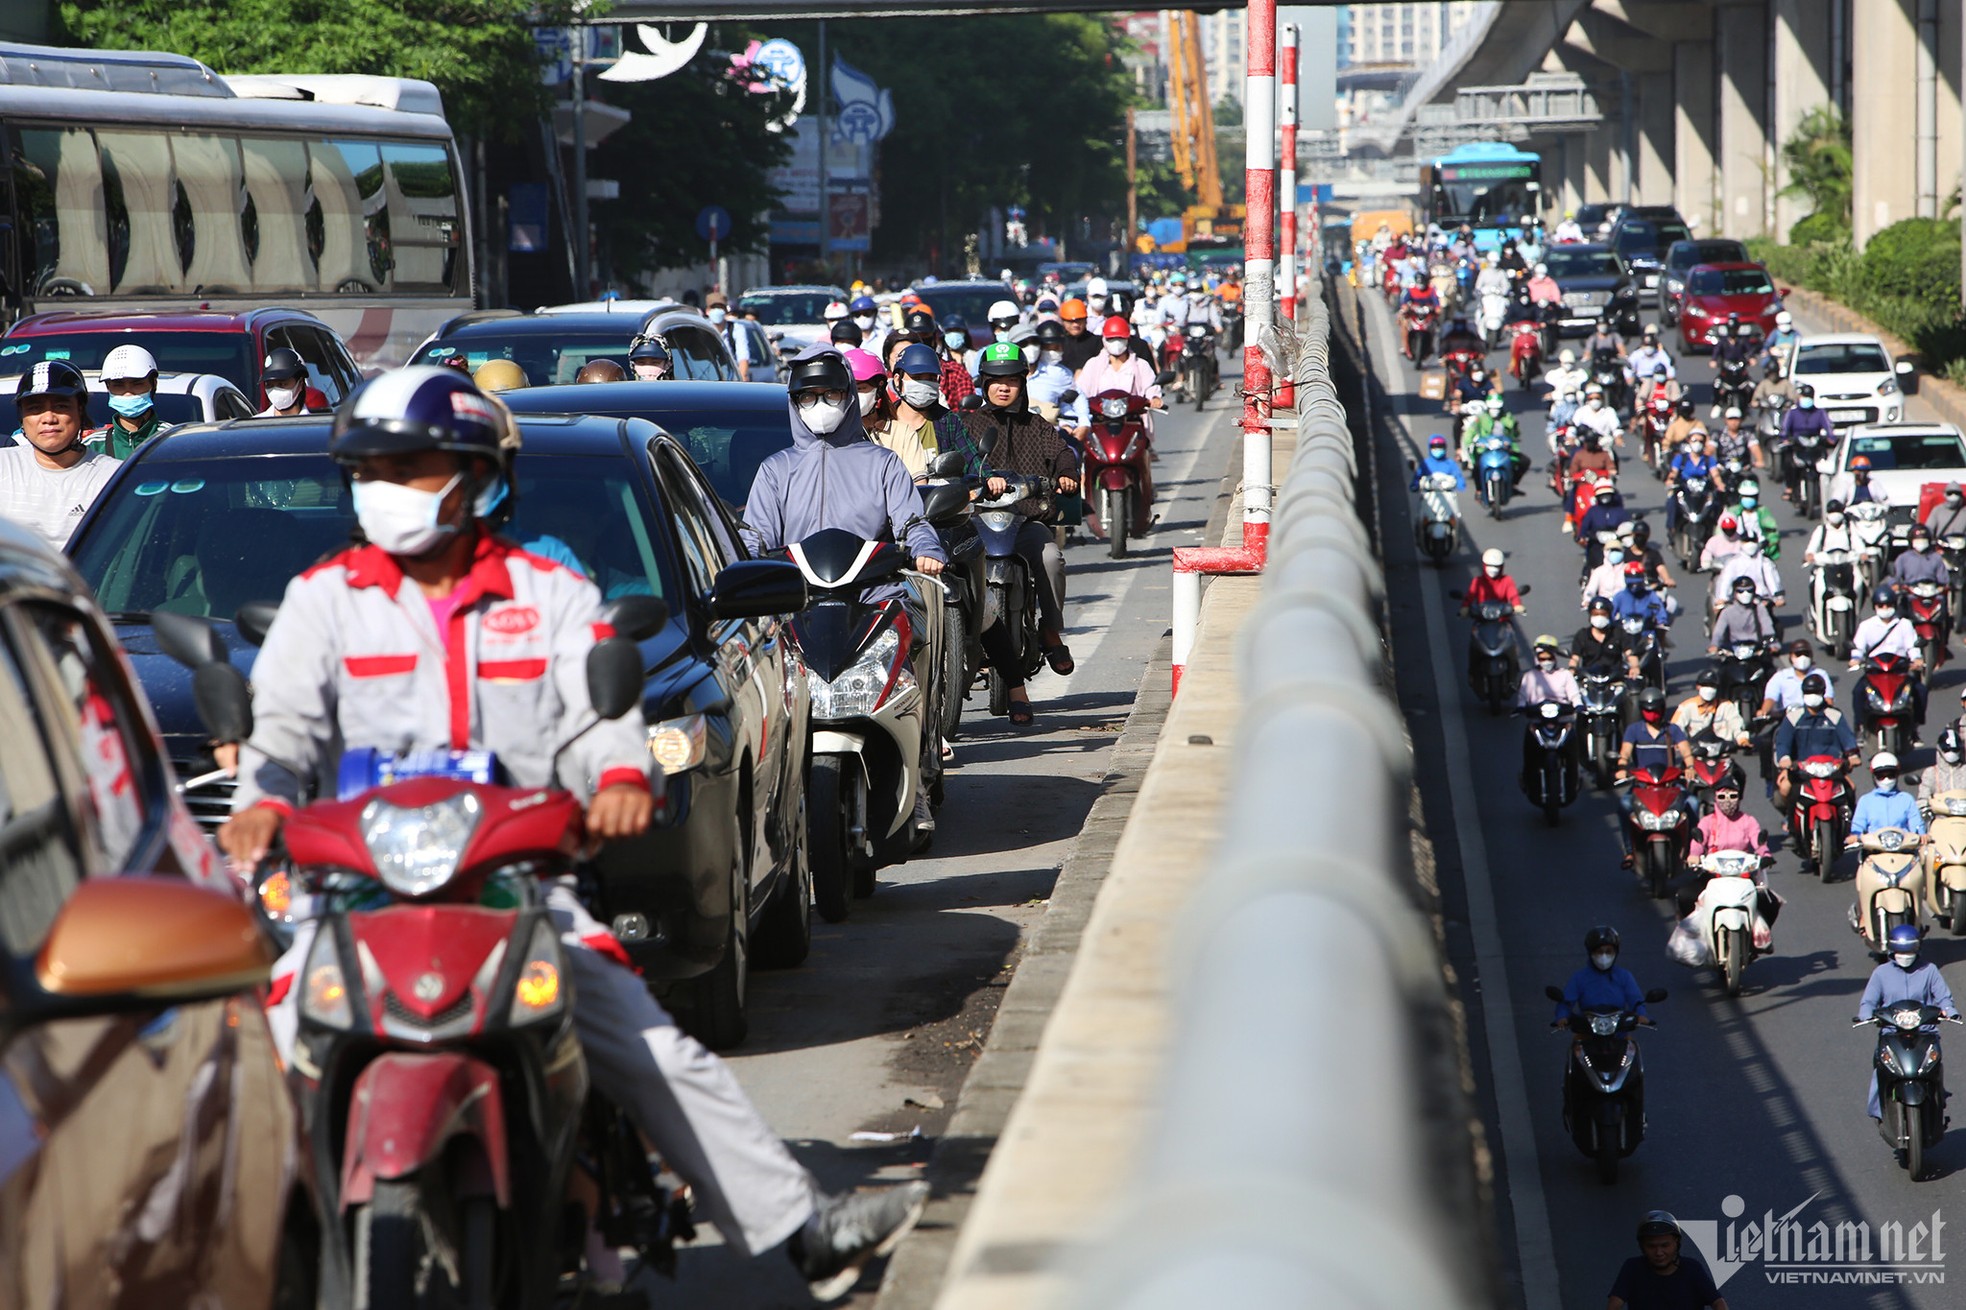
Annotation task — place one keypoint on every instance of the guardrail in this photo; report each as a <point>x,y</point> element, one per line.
<point>1296,1157</point>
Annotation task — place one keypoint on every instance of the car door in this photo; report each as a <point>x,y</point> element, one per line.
<point>324,370</point>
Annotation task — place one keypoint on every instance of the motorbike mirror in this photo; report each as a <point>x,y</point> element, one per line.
<point>636,617</point>
<point>254,620</point>
<point>1163,377</point>
<point>759,588</point>
<point>948,464</point>
<point>1654,996</point>
<point>1554,993</point>
<point>970,402</point>
<point>614,676</point>
<point>1525,589</point>
<point>188,639</point>
<point>225,703</point>
<point>1067,397</point>
<point>944,503</point>
<point>1453,595</point>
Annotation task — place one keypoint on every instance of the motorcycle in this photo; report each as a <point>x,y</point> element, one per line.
<point>1604,1084</point>
<point>1421,320</point>
<point>1198,361</point>
<point>1494,318</point>
<point>1494,472</point>
<point>1884,692</point>
<point>1010,596</point>
<point>1459,362</point>
<point>1647,642</point>
<point>1732,388</point>
<point>1658,417</point>
<point>1526,350</point>
<point>1728,914</point>
<point>1713,763</point>
<point>1801,461</point>
<point>1566,444</point>
<point>1870,528</point>
<point>1910,1080</point>
<point>1438,530</point>
<point>1608,373</point>
<point>945,504</point>
<point>1119,466</point>
<point>1819,812</point>
<point>874,682</point>
<point>1833,599</point>
<point>1945,860</point>
<point>1744,669</point>
<point>1697,510</point>
<point>1890,886</point>
<point>1925,606</point>
<point>1661,827</point>
<point>1492,656</point>
<point>1952,547</point>
<point>1603,718</point>
<point>1549,772</point>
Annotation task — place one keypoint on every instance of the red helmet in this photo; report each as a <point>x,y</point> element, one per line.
<point>1115,327</point>
<point>1634,569</point>
<point>1728,523</point>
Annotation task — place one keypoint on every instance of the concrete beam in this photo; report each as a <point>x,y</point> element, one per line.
<point>1695,135</point>
<point>1662,22</point>
<point>1618,43</point>
<point>1800,82</point>
<point>1883,110</point>
<point>1741,41</point>
<point>1653,137</point>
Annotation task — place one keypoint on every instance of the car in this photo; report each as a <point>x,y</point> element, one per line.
<point>613,305</point>
<point>1641,244</point>
<point>793,317</point>
<point>148,1144</point>
<point>763,348</point>
<point>1904,459</point>
<point>180,398</point>
<point>1682,255</point>
<point>552,348</point>
<point>1596,219</point>
<point>232,345</point>
<point>1855,378</point>
<point>209,519</point>
<point>970,297</point>
<point>1715,291</point>
<point>1595,286</point>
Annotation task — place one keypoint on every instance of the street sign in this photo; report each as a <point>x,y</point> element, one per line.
<point>713,223</point>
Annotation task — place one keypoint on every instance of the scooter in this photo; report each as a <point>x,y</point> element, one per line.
<point>874,681</point>
<point>1803,461</point>
<point>1608,372</point>
<point>1119,466</point>
<point>1494,472</point>
<point>1890,885</point>
<point>1438,530</point>
<point>945,504</point>
<point>1604,1084</point>
<point>1661,826</point>
<point>1833,600</point>
<point>1494,318</point>
<point>1646,643</point>
<point>1728,914</point>
<point>1198,361</point>
<point>1910,1080</point>
<point>1733,388</point>
<point>1549,771</point>
<point>1945,860</point>
<point>1492,656</point>
<point>1744,670</point>
<point>1953,547</point>
<point>1658,417</point>
<point>1819,813</point>
<point>1884,691</point>
<point>1420,322</point>
<point>1526,350</point>
<point>1870,529</point>
<point>1603,723</point>
<point>1713,763</point>
<point>1010,596</point>
<point>1698,509</point>
<point>1925,606</point>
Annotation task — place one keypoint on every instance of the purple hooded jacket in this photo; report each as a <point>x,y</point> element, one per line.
<point>842,480</point>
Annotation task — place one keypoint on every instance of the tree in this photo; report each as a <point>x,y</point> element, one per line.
<point>1820,165</point>
<point>479,53</point>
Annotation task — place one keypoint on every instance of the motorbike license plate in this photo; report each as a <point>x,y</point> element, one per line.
<point>1651,281</point>
<point>1586,311</point>
<point>1848,415</point>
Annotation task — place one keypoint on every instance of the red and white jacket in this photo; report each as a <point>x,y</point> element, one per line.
<point>355,658</point>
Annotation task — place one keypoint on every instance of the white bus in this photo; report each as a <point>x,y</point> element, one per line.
<point>142,182</point>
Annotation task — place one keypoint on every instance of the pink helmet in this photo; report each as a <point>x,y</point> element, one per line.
<point>865,367</point>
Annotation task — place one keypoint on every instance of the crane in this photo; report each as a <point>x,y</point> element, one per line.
<point>1194,133</point>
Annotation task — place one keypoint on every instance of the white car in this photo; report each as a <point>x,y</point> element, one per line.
<point>1856,380</point>
<point>181,398</point>
<point>793,317</point>
<point>1904,459</point>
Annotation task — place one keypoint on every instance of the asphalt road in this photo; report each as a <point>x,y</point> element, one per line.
<point>1755,1105</point>
<point>876,1031</point>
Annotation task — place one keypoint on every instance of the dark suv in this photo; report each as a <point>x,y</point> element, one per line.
<point>551,348</point>
<point>1640,240</point>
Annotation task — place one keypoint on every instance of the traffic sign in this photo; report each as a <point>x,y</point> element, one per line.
<point>713,223</point>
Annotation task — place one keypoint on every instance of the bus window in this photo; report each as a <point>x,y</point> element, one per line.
<point>210,193</point>
<point>273,223</point>
<point>59,185</point>
<point>422,206</point>
<point>353,218</point>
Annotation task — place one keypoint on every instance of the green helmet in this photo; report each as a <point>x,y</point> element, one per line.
<point>1004,359</point>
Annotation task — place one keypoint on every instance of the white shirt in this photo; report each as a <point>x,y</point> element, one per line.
<point>1647,358</point>
<point>1892,636</point>
<point>1602,420</point>
<point>1569,230</point>
<point>1784,687</point>
<point>1830,540</point>
<point>50,501</point>
<point>1606,580</point>
<point>1561,379</point>
<point>1767,578</point>
<point>1492,282</point>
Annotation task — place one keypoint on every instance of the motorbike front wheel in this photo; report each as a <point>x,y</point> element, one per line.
<point>1114,514</point>
<point>1825,844</point>
<point>1732,952</point>
<point>826,836</point>
<point>1609,1130</point>
<point>1552,813</point>
<point>394,1262</point>
<point>1658,869</point>
<point>1914,1154</point>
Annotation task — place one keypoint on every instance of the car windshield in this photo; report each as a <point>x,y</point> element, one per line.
<point>170,409</point>
<point>1921,450</point>
<point>548,360</point>
<point>788,308</point>
<point>1729,282</point>
<point>1843,357</point>
<point>205,536</point>
<point>1685,254</point>
<point>973,303</point>
<point>228,354</point>
<point>1587,214</point>
<point>729,447</point>
<point>1640,237</point>
<point>1568,261</point>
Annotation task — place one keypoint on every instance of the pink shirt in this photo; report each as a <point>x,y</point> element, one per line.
<point>1717,832</point>
<point>1135,376</point>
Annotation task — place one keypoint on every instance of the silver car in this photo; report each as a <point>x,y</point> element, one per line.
<point>181,398</point>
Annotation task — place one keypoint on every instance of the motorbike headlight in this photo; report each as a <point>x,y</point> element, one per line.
<point>998,520</point>
<point>416,851</point>
<point>678,744</point>
<point>1654,822</point>
<point>1819,768</point>
<point>324,997</point>
<point>1956,805</point>
<point>1604,1025</point>
<point>1906,1018</point>
<point>858,690</point>
<point>1550,709</point>
<point>1113,407</point>
<point>540,992</point>
<point>1872,698</point>
<point>1890,840</point>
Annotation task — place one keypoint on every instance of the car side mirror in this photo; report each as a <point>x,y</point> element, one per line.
<point>1554,993</point>
<point>1784,292</point>
<point>255,619</point>
<point>758,588</point>
<point>948,464</point>
<point>135,943</point>
<point>614,676</point>
<point>636,617</point>
<point>1654,996</point>
<point>970,402</point>
<point>188,639</point>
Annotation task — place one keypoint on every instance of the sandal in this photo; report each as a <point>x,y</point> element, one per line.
<point>1059,657</point>
<point>1021,715</point>
<point>1629,861</point>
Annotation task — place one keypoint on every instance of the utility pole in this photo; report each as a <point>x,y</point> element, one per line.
<point>583,280</point>
<point>1132,194</point>
<point>825,140</point>
<point>1259,268</point>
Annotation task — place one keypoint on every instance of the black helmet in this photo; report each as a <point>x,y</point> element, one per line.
<point>954,323</point>
<point>1949,743</point>
<point>1641,531</point>
<point>1815,685</point>
<point>1051,333</point>
<point>1685,408</point>
<point>824,370</point>
<point>1652,699</point>
<point>282,365</point>
<point>52,377</point>
<point>648,347</point>
<point>846,332</point>
<point>1834,507</point>
<point>1805,389</point>
<point>1600,605</point>
<point>1601,937</point>
<point>1707,678</point>
<point>919,322</point>
<point>1658,1223</point>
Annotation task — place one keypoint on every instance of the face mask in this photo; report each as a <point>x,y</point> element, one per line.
<point>1603,961</point>
<point>1054,356</point>
<point>282,397</point>
<point>866,322</point>
<point>1652,716</point>
<point>1885,612</point>
<point>650,372</point>
<point>1118,346</point>
<point>1814,700</point>
<point>1951,757</point>
<point>1595,403</point>
<point>1921,546</point>
<point>1547,666</point>
<point>1613,555</point>
<point>1799,663</point>
<point>1887,785</point>
<point>1003,334</point>
<point>718,316</point>
<point>1807,402</point>
<point>1709,693</point>
<point>920,394</point>
<point>1600,621</point>
<point>1748,502</point>
<point>1956,500</point>
<point>868,399</point>
<point>402,520</point>
<point>955,340</point>
<point>823,417</point>
<point>132,406</point>
<point>1095,302</point>
<point>1834,520</point>
<point>1492,570</point>
<point>1905,962</point>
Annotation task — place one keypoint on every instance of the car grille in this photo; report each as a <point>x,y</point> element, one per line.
<point>1587,297</point>
<point>211,803</point>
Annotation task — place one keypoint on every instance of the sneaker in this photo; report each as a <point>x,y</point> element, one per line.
<point>845,1232</point>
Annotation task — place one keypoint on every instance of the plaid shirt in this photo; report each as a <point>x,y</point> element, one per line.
<point>956,382</point>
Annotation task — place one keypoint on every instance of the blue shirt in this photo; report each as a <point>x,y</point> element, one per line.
<point>1590,989</point>
<point>1886,809</point>
<point>1890,985</point>
<point>1627,604</point>
<point>1654,754</point>
<point>1813,732</point>
<point>1692,466</point>
<point>1444,465</point>
<point>1050,381</point>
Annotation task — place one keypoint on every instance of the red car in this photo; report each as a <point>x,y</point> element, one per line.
<point>232,345</point>
<point>1713,291</point>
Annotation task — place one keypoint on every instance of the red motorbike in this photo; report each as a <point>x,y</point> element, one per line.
<point>1820,807</point>
<point>1459,360</point>
<point>1119,477</point>
<point>1658,417</point>
<point>1713,763</point>
<point>1926,607</point>
<point>1884,701</point>
<point>1525,351</point>
<point>1661,826</point>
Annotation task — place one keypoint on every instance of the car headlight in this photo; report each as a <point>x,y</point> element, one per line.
<point>417,851</point>
<point>858,690</point>
<point>677,744</point>
<point>540,993</point>
<point>1888,387</point>
<point>1674,285</point>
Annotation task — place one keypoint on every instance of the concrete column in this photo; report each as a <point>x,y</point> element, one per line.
<point>1741,37</point>
<point>1654,136</point>
<point>1693,136</point>
<point>1952,111</point>
<point>1883,111</point>
<point>1959,51</point>
<point>1801,83</point>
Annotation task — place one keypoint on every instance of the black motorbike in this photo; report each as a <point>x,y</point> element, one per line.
<point>1549,757</point>
<point>1744,669</point>
<point>964,585</point>
<point>1608,372</point>
<point>1800,456</point>
<point>1604,1083</point>
<point>1910,1080</point>
<point>1198,361</point>
<point>1953,547</point>
<point>1732,387</point>
<point>1697,502</point>
<point>1493,665</point>
<point>1010,595</point>
<point>1605,719</point>
<point>1648,643</point>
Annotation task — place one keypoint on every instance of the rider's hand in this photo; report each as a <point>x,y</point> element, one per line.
<point>249,834</point>
<point>1068,485</point>
<point>928,565</point>
<point>995,486</point>
<point>226,756</point>
<point>623,810</point>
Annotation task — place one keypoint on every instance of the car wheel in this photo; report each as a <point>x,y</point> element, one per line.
<point>718,1021</point>
<point>785,932</point>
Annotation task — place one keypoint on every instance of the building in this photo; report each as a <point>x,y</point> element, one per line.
<point>1410,34</point>
<point>1225,51</point>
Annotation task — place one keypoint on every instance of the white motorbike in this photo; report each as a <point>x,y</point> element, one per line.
<point>1728,914</point>
<point>1870,528</point>
<point>1833,580</point>
<point>1438,529</point>
<point>1494,318</point>
<point>1945,860</point>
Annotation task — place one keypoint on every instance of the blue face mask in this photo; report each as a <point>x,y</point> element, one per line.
<point>1807,402</point>
<point>132,406</point>
<point>955,340</point>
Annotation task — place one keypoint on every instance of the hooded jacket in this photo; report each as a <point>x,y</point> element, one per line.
<point>841,480</point>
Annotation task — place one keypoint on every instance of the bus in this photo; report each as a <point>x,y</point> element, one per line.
<point>1487,184</point>
<point>144,182</point>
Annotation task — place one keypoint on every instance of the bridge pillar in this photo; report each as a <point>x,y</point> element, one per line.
<point>1654,137</point>
<point>1741,38</point>
<point>1693,136</point>
<point>1883,114</point>
<point>1603,173</point>
<point>1801,83</point>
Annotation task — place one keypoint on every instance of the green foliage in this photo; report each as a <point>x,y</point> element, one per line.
<point>1917,260</point>
<point>1819,229</point>
<point>1819,163</point>
<point>1906,281</point>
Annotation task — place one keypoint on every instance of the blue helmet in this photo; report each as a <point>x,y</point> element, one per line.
<point>648,347</point>
<point>954,323</point>
<point>918,359</point>
<point>1903,940</point>
<point>422,408</point>
<point>863,305</point>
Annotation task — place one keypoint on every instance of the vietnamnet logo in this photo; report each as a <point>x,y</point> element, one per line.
<point>1794,1249</point>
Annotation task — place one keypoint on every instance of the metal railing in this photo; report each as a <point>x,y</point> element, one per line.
<point>1297,1155</point>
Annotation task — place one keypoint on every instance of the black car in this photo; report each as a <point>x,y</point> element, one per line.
<point>1641,244</point>
<point>1595,287</point>
<point>1596,219</point>
<point>208,519</point>
<point>1682,256</point>
<point>552,348</point>
<point>971,297</point>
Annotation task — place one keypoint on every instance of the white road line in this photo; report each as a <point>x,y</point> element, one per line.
<point>1534,1239</point>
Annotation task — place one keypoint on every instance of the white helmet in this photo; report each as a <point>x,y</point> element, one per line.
<point>1566,357</point>
<point>835,311</point>
<point>1095,286</point>
<point>1492,557</point>
<point>1784,319</point>
<point>1542,270</point>
<point>1002,309</point>
<point>129,362</point>
<point>1883,760</point>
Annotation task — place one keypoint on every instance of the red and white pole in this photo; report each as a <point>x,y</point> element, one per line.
<point>1286,391</point>
<point>1259,268</point>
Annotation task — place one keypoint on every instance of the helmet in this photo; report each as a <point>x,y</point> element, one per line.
<point>1566,357</point>
<point>1685,407</point>
<point>601,370</point>
<point>1733,411</point>
<point>1884,596</point>
<point>1542,270</point>
<point>1707,678</point>
<point>1095,287</point>
<point>1805,389</point>
<point>1599,605</point>
<point>1729,524</point>
<point>52,377</point>
<point>1003,311</point>
<point>1436,442</point>
<point>1634,569</point>
<point>863,305</point>
<point>1815,685</point>
<point>1652,699</point>
<point>423,408</point>
<point>1660,370</point>
<point>1884,762</point>
<point>835,311</point>
<point>864,367</point>
<point>128,363</point>
<point>950,322</point>
<point>1651,330</point>
<point>500,375</point>
<point>1903,940</point>
<point>1949,742</point>
<point>918,359</point>
<point>1005,359</point>
<point>280,365</point>
<point>1604,936</point>
<point>1493,557</point>
<point>1800,646</point>
<point>1605,490</point>
<point>1495,405</point>
<point>1749,487</point>
<point>648,347</point>
<point>1784,319</point>
<point>1051,333</point>
<point>1659,1223</point>
<point>846,332</point>
<point>1744,584</point>
<point>1860,463</point>
<point>1071,310</point>
<point>919,322</point>
<point>1115,327</point>
<point>1547,642</point>
<point>823,370</point>
<point>1641,531</point>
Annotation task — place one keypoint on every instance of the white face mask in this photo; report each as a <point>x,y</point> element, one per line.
<point>1492,570</point>
<point>1886,614</point>
<point>1951,757</point>
<point>920,394</point>
<point>866,322</point>
<point>1799,663</point>
<point>402,520</point>
<point>1054,356</point>
<point>1600,621</point>
<point>1595,402</point>
<point>1603,961</point>
<point>1887,785</point>
<point>1814,700</point>
<point>823,417</point>
<point>1118,346</point>
<point>1546,665</point>
<point>282,397</point>
<point>718,315</point>
<point>868,399</point>
<point>1834,520</point>
<point>1905,961</point>
<point>1709,694</point>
